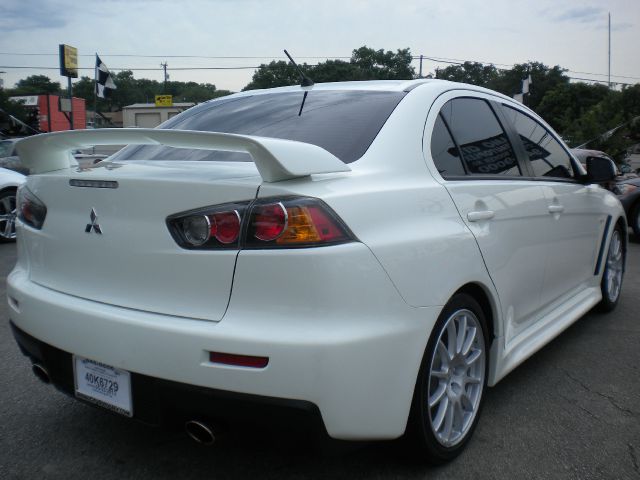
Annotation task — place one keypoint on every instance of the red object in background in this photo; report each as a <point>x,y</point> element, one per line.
<point>53,120</point>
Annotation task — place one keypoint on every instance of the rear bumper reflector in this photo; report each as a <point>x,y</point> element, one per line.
<point>238,360</point>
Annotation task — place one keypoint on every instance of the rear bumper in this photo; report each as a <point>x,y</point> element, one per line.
<point>158,402</point>
<point>351,347</point>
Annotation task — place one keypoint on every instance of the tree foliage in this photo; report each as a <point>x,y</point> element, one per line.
<point>365,64</point>
<point>131,90</point>
<point>36,85</point>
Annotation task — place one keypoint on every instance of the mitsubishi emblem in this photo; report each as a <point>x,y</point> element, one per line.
<point>94,223</point>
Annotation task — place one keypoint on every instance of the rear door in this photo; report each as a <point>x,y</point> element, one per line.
<point>506,212</point>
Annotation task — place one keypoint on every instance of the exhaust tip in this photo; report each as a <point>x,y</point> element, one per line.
<point>41,372</point>
<point>200,432</point>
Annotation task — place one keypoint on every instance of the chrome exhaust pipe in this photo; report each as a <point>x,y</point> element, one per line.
<point>41,372</point>
<point>200,431</point>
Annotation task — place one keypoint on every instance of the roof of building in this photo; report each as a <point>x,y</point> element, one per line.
<point>153,105</point>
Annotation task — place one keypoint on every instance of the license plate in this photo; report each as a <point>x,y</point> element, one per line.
<point>103,385</point>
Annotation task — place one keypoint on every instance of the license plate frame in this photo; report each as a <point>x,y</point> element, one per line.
<point>103,385</point>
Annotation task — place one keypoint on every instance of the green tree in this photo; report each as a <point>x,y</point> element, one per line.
<point>365,64</point>
<point>275,74</point>
<point>563,105</point>
<point>381,65</point>
<point>470,72</point>
<point>36,85</point>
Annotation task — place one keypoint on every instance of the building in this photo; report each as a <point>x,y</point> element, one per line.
<point>147,115</point>
<point>44,113</point>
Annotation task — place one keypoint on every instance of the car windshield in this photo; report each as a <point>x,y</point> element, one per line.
<point>342,122</point>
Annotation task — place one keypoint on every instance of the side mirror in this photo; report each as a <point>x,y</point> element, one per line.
<point>600,170</point>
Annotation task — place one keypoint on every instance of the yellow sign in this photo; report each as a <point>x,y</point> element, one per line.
<point>164,101</point>
<point>68,61</point>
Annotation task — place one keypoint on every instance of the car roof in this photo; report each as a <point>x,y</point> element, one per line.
<point>435,85</point>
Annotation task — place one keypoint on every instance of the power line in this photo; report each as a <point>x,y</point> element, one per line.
<point>169,56</point>
<point>453,61</point>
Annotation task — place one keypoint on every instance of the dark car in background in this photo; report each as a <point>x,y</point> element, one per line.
<point>626,187</point>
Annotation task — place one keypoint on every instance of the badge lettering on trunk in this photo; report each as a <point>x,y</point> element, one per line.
<point>94,223</point>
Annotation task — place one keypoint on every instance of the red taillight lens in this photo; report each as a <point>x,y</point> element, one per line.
<point>208,228</point>
<point>295,222</point>
<point>238,360</point>
<point>30,208</point>
<point>269,221</point>
<point>227,226</point>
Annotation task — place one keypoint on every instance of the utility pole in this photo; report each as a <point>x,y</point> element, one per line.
<point>166,77</point>
<point>71,127</point>
<point>420,75</point>
<point>609,49</point>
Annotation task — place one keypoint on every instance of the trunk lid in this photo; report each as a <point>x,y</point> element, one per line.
<point>134,262</point>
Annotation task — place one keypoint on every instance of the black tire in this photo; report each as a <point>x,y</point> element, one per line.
<point>7,215</point>
<point>610,295</point>
<point>420,430</point>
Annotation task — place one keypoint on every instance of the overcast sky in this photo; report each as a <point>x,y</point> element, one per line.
<point>570,33</point>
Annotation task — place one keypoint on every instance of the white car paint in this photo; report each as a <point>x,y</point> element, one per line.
<point>10,179</point>
<point>345,327</point>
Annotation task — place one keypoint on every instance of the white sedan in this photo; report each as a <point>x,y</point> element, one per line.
<point>371,254</point>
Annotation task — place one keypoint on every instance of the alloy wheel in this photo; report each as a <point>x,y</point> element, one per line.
<point>456,378</point>
<point>615,267</point>
<point>8,217</point>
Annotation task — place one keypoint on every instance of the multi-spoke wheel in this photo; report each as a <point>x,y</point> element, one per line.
<point>613,272</point>
<point>451,382</point>
<point>8,216</point>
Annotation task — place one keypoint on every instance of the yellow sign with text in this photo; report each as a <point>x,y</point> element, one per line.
<point>164,100</point>
<point>68,61</point>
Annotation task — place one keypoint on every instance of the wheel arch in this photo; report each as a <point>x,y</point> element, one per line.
<point>9,188</point>
<point>489,307</point>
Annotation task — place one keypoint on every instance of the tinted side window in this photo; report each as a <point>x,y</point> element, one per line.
<point>444,152</point>
<point>547,157</point>
<point>483,143</point>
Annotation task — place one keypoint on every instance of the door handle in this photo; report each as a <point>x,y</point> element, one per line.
<point>481,215</point>
<point>556,209</point>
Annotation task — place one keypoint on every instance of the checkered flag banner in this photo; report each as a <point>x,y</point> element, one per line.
<point>104,80</point>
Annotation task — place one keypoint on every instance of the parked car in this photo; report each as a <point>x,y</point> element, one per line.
<point>369,254</point>
<point>625,186</point>
<point>633,158</point>
<point>9,183</point>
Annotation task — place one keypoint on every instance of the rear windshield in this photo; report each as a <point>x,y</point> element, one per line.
<point>342,122</point>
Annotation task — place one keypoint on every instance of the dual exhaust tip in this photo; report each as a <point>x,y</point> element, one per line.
<point>200,431</point>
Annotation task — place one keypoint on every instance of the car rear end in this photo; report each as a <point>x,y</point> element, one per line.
<point>155,287</point>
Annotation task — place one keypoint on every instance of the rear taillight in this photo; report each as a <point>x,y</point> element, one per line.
<point>267,223</point>
<point>208,228</point>
<point>294,222</point>
<point>30,208</point>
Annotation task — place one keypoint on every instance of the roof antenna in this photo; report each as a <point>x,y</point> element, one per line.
<point>305,81</point>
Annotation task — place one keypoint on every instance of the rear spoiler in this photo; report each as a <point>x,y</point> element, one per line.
<point>276,159</point>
